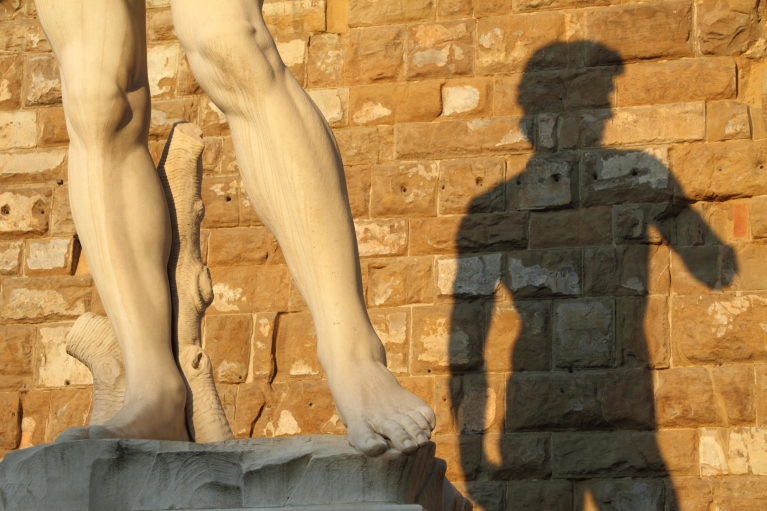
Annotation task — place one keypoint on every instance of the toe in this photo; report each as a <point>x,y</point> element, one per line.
<point>364,439</point>
<point>422,423</point>
<point>400,438</point>
<point>76,433</point>
<point>413,429</point>
<point>428,414</point>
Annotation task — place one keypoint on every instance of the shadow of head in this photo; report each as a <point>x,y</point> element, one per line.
<point>556,81</point>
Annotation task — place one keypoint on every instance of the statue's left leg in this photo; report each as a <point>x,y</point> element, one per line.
<point>293,173</point>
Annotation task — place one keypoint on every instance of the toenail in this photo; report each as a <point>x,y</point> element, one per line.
<point>409,444</point>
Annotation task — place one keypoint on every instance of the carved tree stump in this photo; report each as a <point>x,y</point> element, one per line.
<point>92,339</point>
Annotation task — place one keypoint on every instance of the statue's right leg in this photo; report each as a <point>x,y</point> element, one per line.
<point>118,203</point>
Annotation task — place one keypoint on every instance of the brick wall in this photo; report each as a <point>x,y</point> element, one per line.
<point>561,208</point>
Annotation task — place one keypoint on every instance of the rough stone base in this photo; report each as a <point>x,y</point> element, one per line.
<point>318,473</point>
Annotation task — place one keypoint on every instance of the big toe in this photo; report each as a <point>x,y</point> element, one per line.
<point>362,437</point>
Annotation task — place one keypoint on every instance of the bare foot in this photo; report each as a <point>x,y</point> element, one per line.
<point>375,407</point>
<point>149,417</point>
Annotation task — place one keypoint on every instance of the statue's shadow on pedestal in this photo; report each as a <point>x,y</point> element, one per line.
<point>570,338</point>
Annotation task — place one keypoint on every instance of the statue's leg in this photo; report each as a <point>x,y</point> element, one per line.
<point>293,173</point>
<point>118,203</point>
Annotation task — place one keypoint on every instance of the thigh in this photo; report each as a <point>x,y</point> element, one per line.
<point>96,40</point>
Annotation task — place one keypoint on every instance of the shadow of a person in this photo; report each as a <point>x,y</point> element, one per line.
<point>585,323</point>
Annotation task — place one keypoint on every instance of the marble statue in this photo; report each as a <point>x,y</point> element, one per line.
<point>133,240</point>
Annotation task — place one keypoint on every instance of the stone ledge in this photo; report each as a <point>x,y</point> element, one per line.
<point>317,473</point>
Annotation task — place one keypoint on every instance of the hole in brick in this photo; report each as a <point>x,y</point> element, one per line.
<point>634,172</point>
<point>66,382</point>
<point>428,370</point>
<point>556,177</point>
<point>519,181</point>
<point>311,405</point>
<point>6,210</point>
<point>478,180</point>
<point>443,187</point>
<point>562,390</point>
<point>594,176</point>
<point>404,190</point>
<point>228,199</point>
<point>59,181</point>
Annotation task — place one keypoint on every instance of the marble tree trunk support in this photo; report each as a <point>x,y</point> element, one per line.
<point>92,339</point>
<point>180,171</point>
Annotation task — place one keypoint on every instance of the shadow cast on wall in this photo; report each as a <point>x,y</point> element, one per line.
<point>554,365</point>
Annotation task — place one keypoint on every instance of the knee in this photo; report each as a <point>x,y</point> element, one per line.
<point>97,108</point>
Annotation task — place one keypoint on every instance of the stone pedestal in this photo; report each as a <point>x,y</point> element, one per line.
<point>317,473</point>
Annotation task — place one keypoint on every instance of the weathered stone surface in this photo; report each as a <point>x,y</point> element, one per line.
<point>17,129</point>
<point>446,339</point>
<point>292,50</point>
<point>239,289</point>
<point>734,385</point>
<point>35,409</point>
<point>399,281</point>
<point>61,213</point>
<point>482,404</point>
<point>11,73</point>
<point>56,367</point>
<point>24,211</point>
<point>295,408</point>
<point>571,228</point>
<point>42,85</point>
<point>642,332</point>
<point>366,145</point>
<point>32,300</point>
<point>715,329</point>
<point>257,473</point>
<point>381,237</point>
<point>626,270</point>
<point>541,495</point>
<point>10,425</point>
<point>393,328</point>
<point>743,267</point>
<point>69,408</point>
<point>612,494</point>
<point>584,333</point>
<point>243,247</point>
<point>542,182</point>
<point>727,120</point>
<point>388,12</point>
<point>471,185</point>
<point>17,345</point>
<point>10,257</point>
<point>542,273</point>
<point>374,54</point>
<point>727,28</point>
<point>333,103</point>
<point>51,127</point>
<point>289,16</point>
<point>467,97</point>
<point>52,256</point>
<point>741,494</point>
<point>685,398</point>
<point>26,167</point>
<point>469,276</point>
<point>228,341</point>
<point>471,233</point>
<point>296,350</point>
<point>583,400</point>
<point>485,495</point>
<point>440,49</point>
<point>519,337</point>
<point>462,454</point>
<point>404,189</point>
<point>325,60</point>
<point>720,170</point>
<point>516,456</point>
<point>400,102</point>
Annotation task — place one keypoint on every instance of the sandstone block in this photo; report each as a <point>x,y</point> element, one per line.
<point>366,145</point>
<point>187,84</point>
<point>10,257</point>
<point>469,276</point>
<point>695,270</point>
<point>228,341</point>
<point>17,344</point>
<point>69,408</point>
<point>300,407</point>
<point>712,329</point>
<point>363,13</point>
<point>471,233</point>
<point>32,300</point>
<point>713,223</point>
<point>35,406</point>
<point>720,170</point>
<point>159,25</point>
<point>404,189</point>
<point>162,65</point>
<point>620,454</point>
<point>11,80</point>
<point>440,49</point>
<point>399,281</point>
<point>381,237</point>
<point>61,213</point>
<point>726,28</point>
<point>583,333</point>
<point>221,198</point>
<point>289,16</point>
<point>42,84</point>
<point>374,54</point>
<point>325,60</point>
<point>676,81</point>
<point>25,167</point>
<point>519,337</point>
<point>679,448</point>
<point>240,289</point>
<point>542,182</point>
<point>292,50</point>
<point>734,385</point>
<point>51,127</point>
<point>610,177</point>
<point>481,407</point>
<point>243,247</point>
<point>18,129</point>
<point>506,43</point>
<point>52,256</point>
<point>691,493</point>
<point>727,120</point>
<point>646,494</point>
<point>760,394</point>
<point>462,454</point>
<point>166,113</point>
<point>626,270</point>
<point>583,400</point>
<point>395,103</point>
<point>758,217</point>
<point>212,155</point>
<point>467,97</point>
<point>296,352</point>
<point>685,398</point>
<point>463,138</point>
<point>454,9</point>
<point>446,339</point>
<point>448,392</point>
<point>743,267</point>
<point>227,394</point>
<point>516,456</point>
<point>250,402</point>
<point>555,495</point>
<point>333,103</point>
<point>645,223</point>
<point>56,367</point>
<point>485,496</point>
<point>212,120</point>
<point>642,332</point>
<point>24,211</point>
<point>621,29</point>
<point>741,494</point>
<point>393,328</point>
<point>337,16</point>
<point>262,350</point>
<point>23,36</point>
<point>471,185</point>
<point>679,122</point>
<point>358,188</point>
<point>571,228</point>
<point>540,273</point>
<point>10,428</point>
